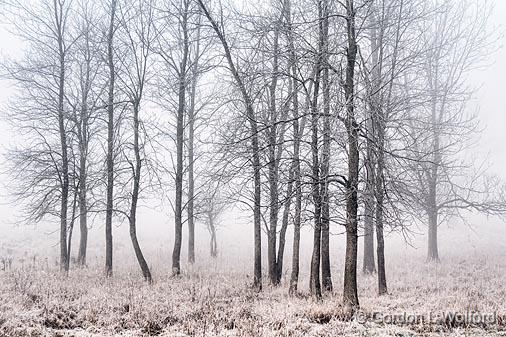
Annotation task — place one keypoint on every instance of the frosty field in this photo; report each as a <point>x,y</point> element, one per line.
<point>211,300</point>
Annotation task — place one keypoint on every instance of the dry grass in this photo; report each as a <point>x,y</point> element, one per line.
<point>205,302</point>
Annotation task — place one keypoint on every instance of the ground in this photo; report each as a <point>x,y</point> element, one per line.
<point>212,300</point>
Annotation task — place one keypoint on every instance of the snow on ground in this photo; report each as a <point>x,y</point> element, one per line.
<point>213,299</point>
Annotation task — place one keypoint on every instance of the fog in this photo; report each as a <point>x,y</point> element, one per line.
<point>469,243</point>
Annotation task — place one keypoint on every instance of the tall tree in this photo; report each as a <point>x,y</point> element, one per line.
<point>42,77</point>
<point>455,37</point>
<point>314,282</point>
<point>191,150</point>
<point>325,156</point>
<point>182,82</point>
<point>255,149</point>
<point>297,135</point>
<point>350,295</point>
<point>137,25</point>
<point>110,139</point>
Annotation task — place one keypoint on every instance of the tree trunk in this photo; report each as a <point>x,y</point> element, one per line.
<point>191,191</point>
<point>369,266</point>
<point>325,165</point>
<point>83,208</point>
<point>380,193</point>
<point>110,144</point>
<point>176,253</point>
<point>83,178</point>
<point>273,167</point>
<point>284,227</point>
<point>350,295</point>
<point>212,231</point>
<point>64,179</point>
<point>191,157</point>
<point>432,252</point>
<point>314,280</point>
<point>135,196</point>
<point>71,229</point>
<point>294,277</point>
<point>432,209</point>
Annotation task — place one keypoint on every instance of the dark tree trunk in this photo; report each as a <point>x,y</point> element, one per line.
<point>350,295</point>
<point>314,280</point>
<point>273,169</point>
<point>284,227</point>
<point>110,144</point>
<point>64,178</point>
<point>191,191</point>
<point>178,216</point>
<point>135,196</point>
<point>83,174</point>
<point>83,208</point>
<point>325,165</point>
<point>71,229</point>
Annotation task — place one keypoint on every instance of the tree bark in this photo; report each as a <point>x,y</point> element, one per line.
<point>284,227</point>
<point>83,160</point>
<point>273,167</point>
<point>350,295</point>
<point>71,229</point>
<point>294,276</point>
<point>176,253</point>
<point>191,157</point>
<point>83,208</point>
<point>110,143</point>
<point>135,196</point>
<point>64,178</point>
<point>370,163</point>
<point>325,164</point>
<point>369,266</point>
<point>314,280</point>
<point>380,193</point>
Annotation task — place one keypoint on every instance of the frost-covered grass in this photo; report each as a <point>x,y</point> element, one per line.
<point>213,299</point>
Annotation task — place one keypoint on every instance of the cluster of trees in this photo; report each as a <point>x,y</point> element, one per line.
<point>330,113</point>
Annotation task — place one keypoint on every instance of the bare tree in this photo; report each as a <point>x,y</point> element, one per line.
<point>110,139</point>
<point>43,78</point>
<point>255,156</point>
<point>85,100</point>
<point>137,25</point>
<point>350,296</point>
<point>297,133</point>
<point>455,37</point>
